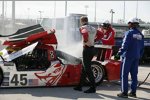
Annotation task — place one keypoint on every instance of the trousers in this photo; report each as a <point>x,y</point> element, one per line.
<point>88,53</point>
<point>129,65</point>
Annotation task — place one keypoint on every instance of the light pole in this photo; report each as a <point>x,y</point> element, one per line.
<point>124,12</point>
<point>5,9</point>
<point>65,8</point>
<point>54,9</point>
<point>40,14</point>
<point>13,12</point>
<point>28,13</point>
<point>136,8</point>
<point>95,12</point>
<point>86,6</point>
<point>3,6</point>
<point>112,12</point>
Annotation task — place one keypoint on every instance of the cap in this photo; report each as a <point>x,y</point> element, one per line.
<point>105,24</point>
<point>133,20</point>
<point>106,21</point>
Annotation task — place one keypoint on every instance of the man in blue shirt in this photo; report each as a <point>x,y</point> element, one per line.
<point>131,50</point>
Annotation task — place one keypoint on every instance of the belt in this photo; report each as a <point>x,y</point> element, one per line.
<point>88,46</point>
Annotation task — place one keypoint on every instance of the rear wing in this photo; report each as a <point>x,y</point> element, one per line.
<point>24,32</point>
<point>29,35</point>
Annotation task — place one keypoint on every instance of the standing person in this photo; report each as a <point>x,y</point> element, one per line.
<point>109,37</point>
<point>89,34</point>
<point>131,51</point>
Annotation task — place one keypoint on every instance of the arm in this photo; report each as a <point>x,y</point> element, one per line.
<point>85,35</point>
<point>109,38</point>
<point>125,44</point>
<point>99,35</point>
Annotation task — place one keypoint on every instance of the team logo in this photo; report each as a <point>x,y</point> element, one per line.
<point>52,75</point>
<point>137,36</point>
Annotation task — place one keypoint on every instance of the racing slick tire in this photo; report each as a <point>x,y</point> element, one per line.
<point>1,76</point>
<point>98,72</point>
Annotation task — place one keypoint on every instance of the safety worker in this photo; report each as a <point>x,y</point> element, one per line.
<point>109,37</point>
<point>89,34</point>
<point>131,50</point>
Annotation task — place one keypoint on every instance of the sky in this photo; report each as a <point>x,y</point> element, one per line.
<point>30,9</point>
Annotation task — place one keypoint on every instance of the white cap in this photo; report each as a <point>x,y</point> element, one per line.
<point>134,20</point>
<point>106,21</point>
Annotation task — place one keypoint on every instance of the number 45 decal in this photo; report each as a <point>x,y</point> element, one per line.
<point>22,80</point>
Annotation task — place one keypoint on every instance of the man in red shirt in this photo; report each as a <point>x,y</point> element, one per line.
<point>109,37</point>
<point>89,34</point>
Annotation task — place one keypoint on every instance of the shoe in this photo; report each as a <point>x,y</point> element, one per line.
<point>78,88</point>
<point>131,94</point>
<point>90,90</point>
<point>122,95</point>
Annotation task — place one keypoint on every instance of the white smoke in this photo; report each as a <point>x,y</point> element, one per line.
<point>67,34</point>
<point>75,49</point>
<point>69,39</point>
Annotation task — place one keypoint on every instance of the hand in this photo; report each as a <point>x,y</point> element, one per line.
<point>52,30</point>
<point>116,57</point>
<point>98,42</point>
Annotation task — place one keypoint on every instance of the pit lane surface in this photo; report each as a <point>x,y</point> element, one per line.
<point>107,90</point>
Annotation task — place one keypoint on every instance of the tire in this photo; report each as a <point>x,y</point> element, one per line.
<point>1,76</point>
<point>98,71</point>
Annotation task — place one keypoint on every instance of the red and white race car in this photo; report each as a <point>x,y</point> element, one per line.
<point>31,59</point>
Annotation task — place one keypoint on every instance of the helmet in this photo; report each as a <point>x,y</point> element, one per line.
<point>134,20</point>
<point>105,24</point>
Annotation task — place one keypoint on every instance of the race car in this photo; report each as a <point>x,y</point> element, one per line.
<point>31,59</point>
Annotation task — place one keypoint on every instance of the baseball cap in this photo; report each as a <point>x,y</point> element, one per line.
<point>133,20</point>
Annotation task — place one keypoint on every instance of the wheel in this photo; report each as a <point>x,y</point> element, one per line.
<point>98,71</point>
<point>1,76</point>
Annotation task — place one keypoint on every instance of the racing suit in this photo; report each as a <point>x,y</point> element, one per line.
<point>131,51</point>
<point>109,39</point>
<point>89,34</point>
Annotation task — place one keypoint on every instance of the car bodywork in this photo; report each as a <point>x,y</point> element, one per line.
<point>31,59</point>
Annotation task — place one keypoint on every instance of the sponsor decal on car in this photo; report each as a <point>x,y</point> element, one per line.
<point>33,82</point>
<point>8,64</point>
<point>52,75</point>
<point>6,73</point>
<point>6,79</point>
<point>5,84</point>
